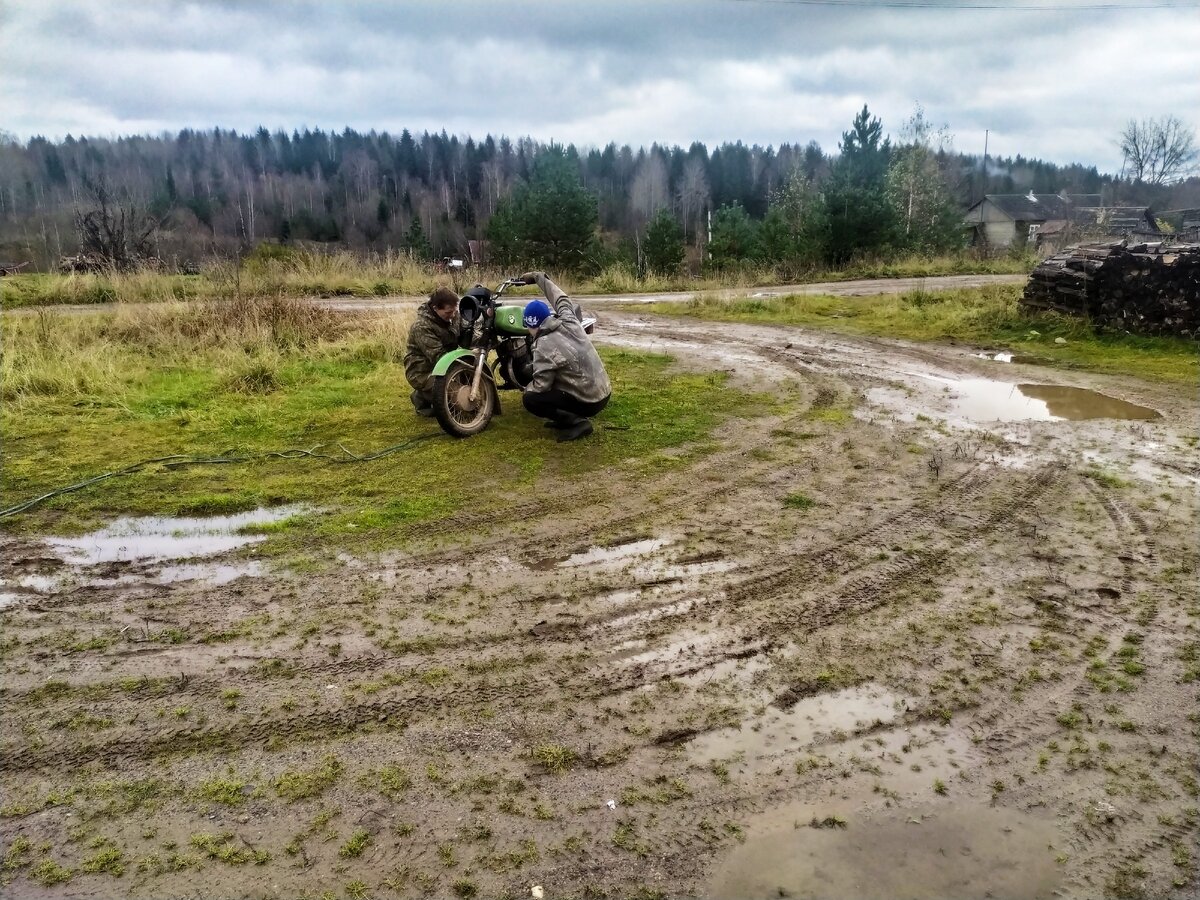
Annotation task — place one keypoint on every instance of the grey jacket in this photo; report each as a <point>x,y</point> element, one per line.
<point>563,355</point>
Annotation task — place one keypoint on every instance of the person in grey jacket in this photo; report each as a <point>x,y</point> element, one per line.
<point>569,383</point>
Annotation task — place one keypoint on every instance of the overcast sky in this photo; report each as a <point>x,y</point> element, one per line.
<point>1048,83</point>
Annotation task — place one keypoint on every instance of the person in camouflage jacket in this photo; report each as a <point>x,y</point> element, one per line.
<point>434,333</point>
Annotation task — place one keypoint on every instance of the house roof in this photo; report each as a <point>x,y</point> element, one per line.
<point>1031,207</point>
<point>1081,209</point>
<point>1118,218</point>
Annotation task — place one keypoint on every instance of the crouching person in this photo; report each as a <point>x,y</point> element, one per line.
<point>569,382</point>
<point>434,333</point>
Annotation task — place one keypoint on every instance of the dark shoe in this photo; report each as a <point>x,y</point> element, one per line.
<point>573,433</point>
<point>425,412</point>
<point>554,423</point>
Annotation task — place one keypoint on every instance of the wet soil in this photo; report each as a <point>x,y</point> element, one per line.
<point>964,666</point>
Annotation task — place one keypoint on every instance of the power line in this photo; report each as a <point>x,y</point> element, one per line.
<point>994,7</point>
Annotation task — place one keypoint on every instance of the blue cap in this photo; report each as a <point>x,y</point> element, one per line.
<point>537,312</point>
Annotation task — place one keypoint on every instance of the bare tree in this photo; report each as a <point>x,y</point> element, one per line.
<point>113,236</point>
<point>649,191</point>
<point>1159,151</point>
<point>693,195</point>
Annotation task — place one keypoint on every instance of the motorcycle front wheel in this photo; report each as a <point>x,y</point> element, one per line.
<point>456,412</point>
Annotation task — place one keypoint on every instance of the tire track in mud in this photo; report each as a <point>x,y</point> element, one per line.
<point>864,592</point>
<point>1006,724</point>
<point>1009,727</point>
<point>766,625</point>
<point>1138,833</point>
<point>700,485</point>
<point>837,556</point>
<point>857,595</point>
<point>343,719</point>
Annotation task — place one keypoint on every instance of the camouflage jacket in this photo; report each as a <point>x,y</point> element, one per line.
<point>428,338</point>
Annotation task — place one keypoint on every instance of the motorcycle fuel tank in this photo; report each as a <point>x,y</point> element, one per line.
<point>509,319</point>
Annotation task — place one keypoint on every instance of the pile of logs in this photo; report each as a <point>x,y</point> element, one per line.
<point>1151,288</point>
<point>97,264</point>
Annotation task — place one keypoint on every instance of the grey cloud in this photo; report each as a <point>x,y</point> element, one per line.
<point>671,70</point>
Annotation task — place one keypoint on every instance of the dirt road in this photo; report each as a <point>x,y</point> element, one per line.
<point>862,288</point>
<point>920,632</point>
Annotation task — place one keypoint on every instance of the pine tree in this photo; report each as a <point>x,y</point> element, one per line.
<point>664,244</point>
<point>734,237</point>
<point>549,222</point>
<point>860,217</point>
<point>417,242</point>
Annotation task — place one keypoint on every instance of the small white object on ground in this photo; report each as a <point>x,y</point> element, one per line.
<point>1060,340</point>
<point>611,804</point>
<point>537,892</point>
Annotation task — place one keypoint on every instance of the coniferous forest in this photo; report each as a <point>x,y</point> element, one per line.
<point>212,192</point>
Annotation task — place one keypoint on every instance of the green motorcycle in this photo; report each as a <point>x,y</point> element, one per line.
<point>498,356</point>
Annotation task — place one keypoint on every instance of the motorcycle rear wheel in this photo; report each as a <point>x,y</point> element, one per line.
<point>452,403</point>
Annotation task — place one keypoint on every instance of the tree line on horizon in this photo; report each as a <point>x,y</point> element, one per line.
<point>217,191</point>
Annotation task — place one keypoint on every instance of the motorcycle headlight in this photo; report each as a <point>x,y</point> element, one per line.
<point>468,309</point>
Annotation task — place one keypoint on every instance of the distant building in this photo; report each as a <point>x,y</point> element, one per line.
<point>1186,223</point>
<point>1048,221</point>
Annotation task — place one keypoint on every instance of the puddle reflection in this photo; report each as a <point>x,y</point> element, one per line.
<point>160,539</point>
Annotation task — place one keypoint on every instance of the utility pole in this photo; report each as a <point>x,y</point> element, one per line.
<point>983,179</point>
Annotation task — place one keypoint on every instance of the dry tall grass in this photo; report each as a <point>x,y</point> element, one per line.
<point>77,357</point>
<point>273,270</point>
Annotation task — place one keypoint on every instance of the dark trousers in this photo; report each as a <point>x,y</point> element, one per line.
<point>560,407</point>
<point>422,399</point>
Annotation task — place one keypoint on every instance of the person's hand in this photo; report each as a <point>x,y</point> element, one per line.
<point>530,277</point>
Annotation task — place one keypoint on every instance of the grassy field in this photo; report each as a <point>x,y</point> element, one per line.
<point>83,395</point>
<point>295,273</point>
<point>988,317</point>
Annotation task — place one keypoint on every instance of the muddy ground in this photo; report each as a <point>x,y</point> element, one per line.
<point>878,644</point>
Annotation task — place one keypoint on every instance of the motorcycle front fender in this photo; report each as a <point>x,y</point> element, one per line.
<point>448,359</point>
<point>468,358</point>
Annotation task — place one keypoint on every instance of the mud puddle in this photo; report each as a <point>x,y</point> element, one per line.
<point>987,400</point>
<point>601,555</point>
<point>658,569</point>
<point>145,543</point>
<point>1018,358</point>
<point>161,539</point>
<point>763,744</point>
<point>952,851</point>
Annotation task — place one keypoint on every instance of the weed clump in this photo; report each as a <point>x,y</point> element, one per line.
<point>221,847</point>
<point>225,790</point>
<point>107,859</point>
<point>48,872</point>
<point>354,847</point>
<point>300,785</point>
<point>555,758</point>
<point>799,501</point>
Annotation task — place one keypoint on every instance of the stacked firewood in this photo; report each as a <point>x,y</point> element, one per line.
<point>1149,288</point>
